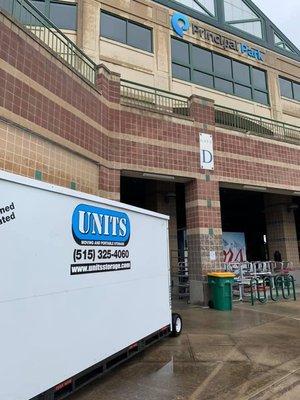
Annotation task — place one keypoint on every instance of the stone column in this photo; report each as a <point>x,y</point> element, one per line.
<point>275,95</point>
<point>109,183</point>
<point>281,228</point>
<point>163,56</point>
<point>89,28</point>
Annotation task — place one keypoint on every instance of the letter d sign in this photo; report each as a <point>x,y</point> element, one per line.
<point>206,151</point>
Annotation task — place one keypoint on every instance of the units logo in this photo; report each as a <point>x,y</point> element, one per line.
<point>180,23</point>
<point>94,226</point>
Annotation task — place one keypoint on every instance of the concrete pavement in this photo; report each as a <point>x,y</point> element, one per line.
<point>252,353</point>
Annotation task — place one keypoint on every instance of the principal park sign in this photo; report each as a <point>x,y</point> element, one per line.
<point>181,24</point>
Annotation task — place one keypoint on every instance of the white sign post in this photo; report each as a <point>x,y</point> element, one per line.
<point>206,151</point>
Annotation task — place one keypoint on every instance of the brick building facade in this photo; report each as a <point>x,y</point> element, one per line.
<point>58,127</point>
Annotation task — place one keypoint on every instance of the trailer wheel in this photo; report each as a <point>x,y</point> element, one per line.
<point>176,325</point>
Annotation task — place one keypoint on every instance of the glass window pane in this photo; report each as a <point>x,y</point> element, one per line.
<point>32,18</point>
<point>181,72</point>
<point>241,73</point>
<point>260,97</point>
<point>202,59</point>
<point>180,52</point>
<point>286,88</point>
<point>193,4</point>
<point>203,79</point>
<point>243,91</point>
<point>204,6</point>
<point>236,10</point>
<point>40,5</point>
<point>64,15</point>
<point>259,79</point>
<point>6,5</point>
<point>277,39</point>
<point>209,5</point>
<point>222,66</point>
<point>296,91</point>
<point>139,36</point>
<point>224,86</point>
<point>279,42</point>
<point>253,28</point>
<point>113,27</point>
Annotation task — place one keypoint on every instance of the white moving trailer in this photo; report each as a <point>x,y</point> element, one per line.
<point>84,285</point>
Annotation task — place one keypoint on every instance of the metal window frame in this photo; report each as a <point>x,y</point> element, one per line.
<point>258,19</point>
<point>205,12</point>
<point>128,21</point>
<point>47,9</point>
<point>193,67</point>
<point>292,82</point>
<point>286,47</point>
<point>295,83</point>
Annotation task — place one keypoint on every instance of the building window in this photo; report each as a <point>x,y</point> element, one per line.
<point>239,15</point>
<point>213,70</point>
<point>281,43</point>
<point>206,7</point>
<point>289,89</point>
<point>125,31</point>
<point>6,5</point>
<point>62,14</point>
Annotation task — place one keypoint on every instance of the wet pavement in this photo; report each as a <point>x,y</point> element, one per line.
<point>252,353</point>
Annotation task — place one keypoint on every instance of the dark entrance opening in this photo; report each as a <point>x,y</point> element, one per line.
<point>164,197</point>
<point>243,212</point>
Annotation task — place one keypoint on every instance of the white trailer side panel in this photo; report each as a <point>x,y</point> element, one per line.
<point>53,324</point>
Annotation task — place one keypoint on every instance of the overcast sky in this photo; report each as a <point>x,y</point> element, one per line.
<point>285,15</point>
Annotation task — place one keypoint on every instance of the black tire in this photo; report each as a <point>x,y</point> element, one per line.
<point>176,325</point>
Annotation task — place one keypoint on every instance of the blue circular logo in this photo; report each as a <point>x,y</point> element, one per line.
<point>180,23</point>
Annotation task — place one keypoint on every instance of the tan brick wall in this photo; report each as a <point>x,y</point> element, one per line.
<point>25,153</point>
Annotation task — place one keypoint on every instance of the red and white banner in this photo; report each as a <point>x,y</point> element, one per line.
<point>234,247</point>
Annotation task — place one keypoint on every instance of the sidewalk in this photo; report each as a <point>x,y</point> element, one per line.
<point>252,353</point>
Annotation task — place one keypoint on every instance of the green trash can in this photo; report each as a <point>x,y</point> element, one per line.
<point>220,285</point>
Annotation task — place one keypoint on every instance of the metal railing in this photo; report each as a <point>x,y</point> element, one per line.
<point>39,25</point>
<point>134,94</point>
<point>249,123</point>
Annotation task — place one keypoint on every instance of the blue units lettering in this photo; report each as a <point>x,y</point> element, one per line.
<point>100,226</point>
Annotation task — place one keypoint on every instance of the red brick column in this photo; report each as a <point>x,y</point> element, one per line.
<point>108,83</point>
<point>204,225</point>
<point>109,185</point>
<point>203,111</point>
